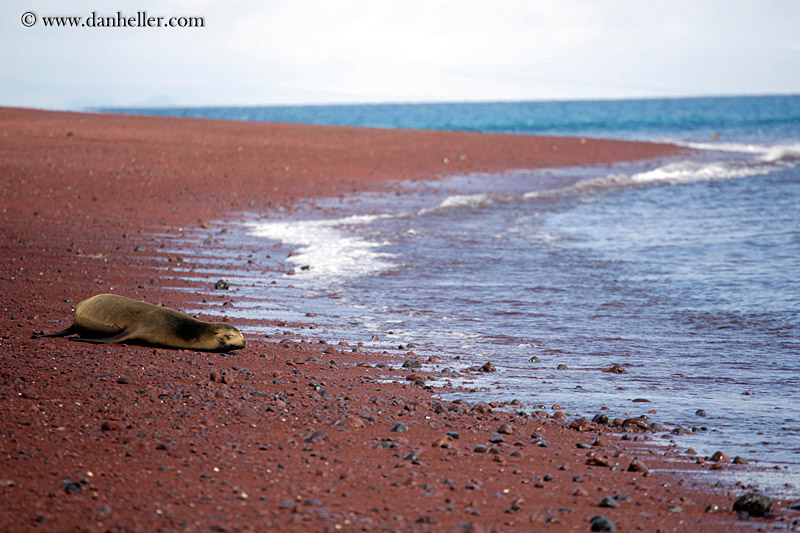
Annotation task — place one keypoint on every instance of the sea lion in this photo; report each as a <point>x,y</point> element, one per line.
<point>109,318</point>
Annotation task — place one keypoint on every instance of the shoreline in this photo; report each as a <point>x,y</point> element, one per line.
<point>289,435</point>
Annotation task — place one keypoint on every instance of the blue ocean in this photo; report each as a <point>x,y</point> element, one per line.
<point>685,272</point>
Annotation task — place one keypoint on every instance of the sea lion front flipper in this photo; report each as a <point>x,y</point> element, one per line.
<point>63,333</point>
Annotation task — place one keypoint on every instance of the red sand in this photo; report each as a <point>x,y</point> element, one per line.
<point>125,438</point>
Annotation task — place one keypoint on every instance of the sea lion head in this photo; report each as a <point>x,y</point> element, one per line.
<point>227,338</point>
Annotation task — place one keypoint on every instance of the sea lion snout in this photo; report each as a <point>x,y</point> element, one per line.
<point>229,338</point>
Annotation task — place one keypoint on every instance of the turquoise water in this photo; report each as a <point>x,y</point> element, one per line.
<point>687,271</point>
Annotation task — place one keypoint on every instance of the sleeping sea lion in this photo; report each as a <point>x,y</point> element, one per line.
<point>109,318</point>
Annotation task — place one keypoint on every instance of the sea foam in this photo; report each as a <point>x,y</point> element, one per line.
<point>326,249</point>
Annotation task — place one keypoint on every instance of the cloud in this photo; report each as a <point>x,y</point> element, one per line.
<point>310,51</point>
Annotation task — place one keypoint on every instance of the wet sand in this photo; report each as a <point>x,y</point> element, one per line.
<point>292,436</point>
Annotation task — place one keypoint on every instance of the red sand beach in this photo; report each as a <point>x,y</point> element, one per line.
<point>277,436</point>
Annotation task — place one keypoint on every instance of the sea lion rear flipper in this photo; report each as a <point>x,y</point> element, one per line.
<point>63,333</point>
<point>119,337</point>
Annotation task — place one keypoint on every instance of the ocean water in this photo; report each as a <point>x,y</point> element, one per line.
<point>685,271</point>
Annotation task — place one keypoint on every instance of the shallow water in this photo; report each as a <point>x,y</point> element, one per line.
<point>686,272</point>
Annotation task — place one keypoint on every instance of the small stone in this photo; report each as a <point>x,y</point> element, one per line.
<point>579,491</point>
<point>601,523</point>
<point>534,359</point>
<point>481,408</point>
<point>600,419</point>
<point>317,436</point>
<point>580,424</point>
<point>488,367</point>
<point>635,425</point>
<point>596,460</point>
<point>701,412</point>
<point>720,457</point>
<point>562,367</point>
<point>609,502</point>
<point>480,448</point>
<point>740,460</point>
<point>443,442</point>
<point>123,380</point>
<point>754,504</point>
<point>221,285</point>
<point>516,504</point>
<point>637,466</point>
<point>615,369</point>
<point>399,427</point>
<point>72,487</point>
<point>411,363</point>
<point>505,428</point>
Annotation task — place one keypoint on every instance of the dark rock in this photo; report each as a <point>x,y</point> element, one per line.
<point>600,419</point>
<point>615,369</point>
<point>72,487</point>
<point>701,412</point>
<point>635,425</point>
<point>399,427</point>
<point>720,457</point>
<point>317,436</point>
<point>562,367</point>
<point>601,523</point>
<point>411,363</point>
<point>505,428</point>
<point>637,466</point>
<point>534,359</point>
<point>609,502</point>
<point>488,367</point>
<point>222,285</point>
<point>754,504</point>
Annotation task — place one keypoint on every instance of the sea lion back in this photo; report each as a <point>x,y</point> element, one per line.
<point>109,313</point>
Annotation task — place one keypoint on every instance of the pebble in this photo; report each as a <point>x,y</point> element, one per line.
<point>72,487</point>
<point>601,523</point>
<point>505,428</point>
<point>637,466</point>
<point>411,363</point>
<point>720,457</point>
<point>488,367</point>
<point>753,504</point>
<point>610,503</point>
<point>399,427</point>
<point>635,425</point>
<point>562,367</point>
<point>317,436</point>
<point>616,369</point>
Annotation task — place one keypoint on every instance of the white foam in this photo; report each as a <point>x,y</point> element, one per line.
<point>775,152</point>
<point>770,159</point>
<point>459,200</point>
<point>328,250</point>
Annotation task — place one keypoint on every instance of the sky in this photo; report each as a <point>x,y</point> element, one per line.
<point>273,52</point>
